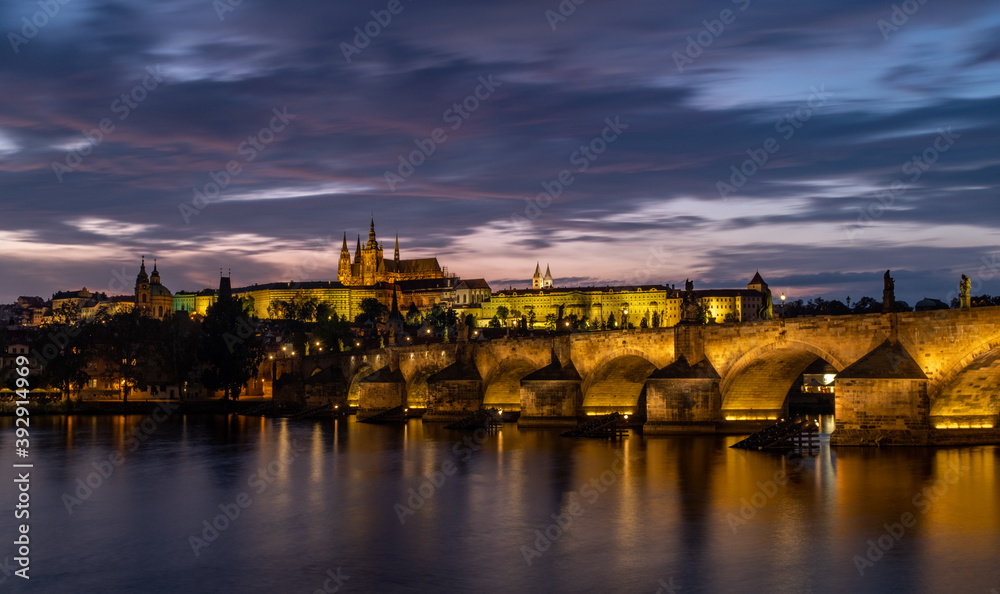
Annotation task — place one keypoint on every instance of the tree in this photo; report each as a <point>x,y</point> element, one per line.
<point>372,310</point>
<point>413,315</point>
<point>866,305</point>
<point>984,301</point>
<point>611,321</point>
<point>837,308</point>
<point>503,314</point>
<point>470,320</point>
<point>333,331</point>
<point>68,368</point>
<point>495,322</point>
<point>126,344</point>
<point>656,319</point>
<point>704,314</point>
<point>68,313</point>
<point>232,348</point>
<point>172,349</point>
<point>300,309</point>
<point>643,323</point>
<point>902,306</point>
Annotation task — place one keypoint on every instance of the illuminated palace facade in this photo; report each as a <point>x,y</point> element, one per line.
<point>628,304</point>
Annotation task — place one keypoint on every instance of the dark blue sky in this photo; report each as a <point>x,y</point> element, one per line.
<point>874,127</point>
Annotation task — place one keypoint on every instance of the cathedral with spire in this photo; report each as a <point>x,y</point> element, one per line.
<point>151,297</point>
<point>369,266</point>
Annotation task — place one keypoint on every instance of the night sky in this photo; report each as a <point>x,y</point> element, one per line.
<point>874,127</point>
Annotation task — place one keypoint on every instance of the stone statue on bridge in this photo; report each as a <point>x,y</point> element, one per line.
<point>689,305</point>
<point>888,294</point>
<point>964,289</point>
<point>766,309</point>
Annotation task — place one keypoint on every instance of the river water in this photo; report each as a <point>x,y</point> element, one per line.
<point>244,504</point>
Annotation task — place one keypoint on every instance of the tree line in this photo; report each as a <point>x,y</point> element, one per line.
<point>222,352</point>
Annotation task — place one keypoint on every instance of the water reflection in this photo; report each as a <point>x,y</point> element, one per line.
<point>417,507</point>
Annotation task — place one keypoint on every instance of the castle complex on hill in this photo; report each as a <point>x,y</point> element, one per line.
<point>424,283</point>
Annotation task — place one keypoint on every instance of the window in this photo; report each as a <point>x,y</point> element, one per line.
<point>144,298</point>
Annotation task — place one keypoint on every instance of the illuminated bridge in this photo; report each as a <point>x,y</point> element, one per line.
<point>903,378</point>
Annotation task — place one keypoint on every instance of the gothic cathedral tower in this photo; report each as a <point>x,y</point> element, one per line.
<point>344,268</point>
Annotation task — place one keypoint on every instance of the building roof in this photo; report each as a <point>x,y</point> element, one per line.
<point>927,304</point>
<point>757,280</point>
<point>473,283</point>
<point>426,284</point>
<point>605,289</point>
<point>702,293</point>
<point>292,285</point>
<point>413,265</point>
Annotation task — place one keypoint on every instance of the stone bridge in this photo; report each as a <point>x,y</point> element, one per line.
<point>903,378</point>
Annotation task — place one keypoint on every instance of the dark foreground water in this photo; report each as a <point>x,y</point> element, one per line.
<point>353,501</point>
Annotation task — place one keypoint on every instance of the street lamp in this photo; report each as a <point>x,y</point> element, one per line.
<point>782,305</point>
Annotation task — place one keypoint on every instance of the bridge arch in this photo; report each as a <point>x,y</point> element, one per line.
<point>354,390</point>
<point>968,394</point>
<point>502,386</point>
<point>416,384</point>
<point>617,382</point>
<point>759,380</point>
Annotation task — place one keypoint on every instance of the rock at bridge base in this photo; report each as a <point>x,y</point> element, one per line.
<point>879,437</point>
<point>947,437</point>
<point>667,428</point>
<point>537,421</point>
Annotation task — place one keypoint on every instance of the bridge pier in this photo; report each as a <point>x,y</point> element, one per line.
<point>681,398</point>
<point>551,396</point>
<point>881,412</point>
<point>882,400</point>
<point>454,392</point>
<point>380,391</point>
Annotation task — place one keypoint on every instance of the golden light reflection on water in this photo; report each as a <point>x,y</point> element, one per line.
<point>648,507</point>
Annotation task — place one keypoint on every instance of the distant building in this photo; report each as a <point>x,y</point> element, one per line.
<point>541,282</point>
<point>471,291</point>
<point>369,266</point>
<point>658,305</point>
<point>928,304</point>
<point>194,303</point>
<point>151,297</point>
<point>345,300</point>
